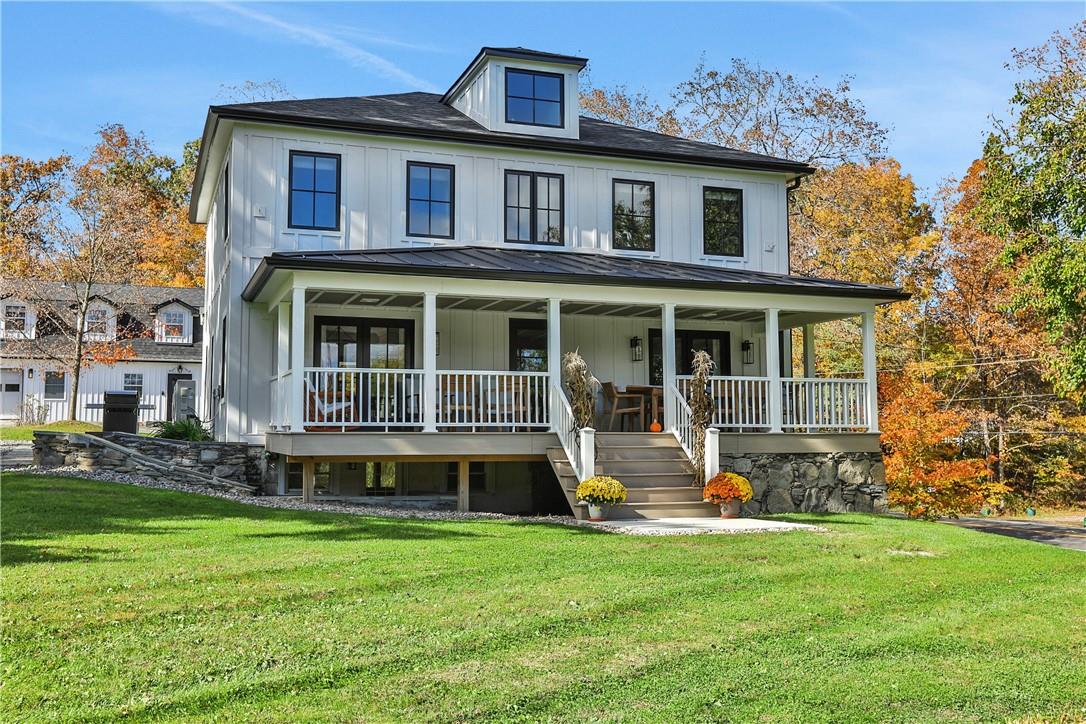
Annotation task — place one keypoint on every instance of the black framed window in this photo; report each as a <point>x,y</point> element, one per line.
<point>534,98</point>
<point>314,191</point>
<point>723,221</point>
<point>55,386</point>
<point>431,189</point>
<point>533,207</point>
<point>633,218</point>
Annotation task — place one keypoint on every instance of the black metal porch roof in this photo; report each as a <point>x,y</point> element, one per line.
<point>557,266</point>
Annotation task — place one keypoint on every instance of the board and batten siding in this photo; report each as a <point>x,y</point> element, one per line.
<point>373,190</point>
<point>96,380</point>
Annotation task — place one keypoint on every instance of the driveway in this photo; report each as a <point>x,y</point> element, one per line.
<point>1064,536</point>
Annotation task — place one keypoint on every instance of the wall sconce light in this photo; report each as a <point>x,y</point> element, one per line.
<point>437,344</point>
<point>637,350</point>
<point>30,373</point>
<point>748,352</point>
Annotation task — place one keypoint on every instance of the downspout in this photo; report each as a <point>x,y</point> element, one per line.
<point>792,186</point>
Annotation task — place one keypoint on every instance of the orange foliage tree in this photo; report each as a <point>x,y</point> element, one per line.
<point>926,474</point>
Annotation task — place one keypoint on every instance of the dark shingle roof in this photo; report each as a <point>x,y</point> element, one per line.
<point>577,267</point>
<point>137,303</point>
<point>424,115</point>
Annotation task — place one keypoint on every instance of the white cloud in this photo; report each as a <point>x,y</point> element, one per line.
<point>227,14</point>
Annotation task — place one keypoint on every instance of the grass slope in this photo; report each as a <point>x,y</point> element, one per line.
<point>124,602</point>
<point>26,432</point>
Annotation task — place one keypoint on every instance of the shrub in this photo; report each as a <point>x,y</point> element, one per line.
<point>725,486</point>
<point>192,430</point>
<point>601,490</point>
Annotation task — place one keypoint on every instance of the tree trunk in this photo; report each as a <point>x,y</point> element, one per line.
<point>77,363</point>
<point>1000,442</point>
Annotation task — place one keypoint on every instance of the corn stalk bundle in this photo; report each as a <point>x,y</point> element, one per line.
<point>701,409</point>
<point>581,386</point>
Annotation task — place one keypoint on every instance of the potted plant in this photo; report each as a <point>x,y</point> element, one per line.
<point>600,493</point>
<point>728,490</point>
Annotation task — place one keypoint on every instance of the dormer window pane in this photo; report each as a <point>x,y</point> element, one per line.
<point>314,191</point>
<point>533,98</point>
<point>15,318</point>
<point>96,321</point>
<point>173,325</point>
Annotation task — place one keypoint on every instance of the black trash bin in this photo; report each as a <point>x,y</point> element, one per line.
<point>121,411</point>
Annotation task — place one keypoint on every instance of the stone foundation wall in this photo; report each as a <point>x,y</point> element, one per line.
<point>239,462</point>
<point>811,482</point>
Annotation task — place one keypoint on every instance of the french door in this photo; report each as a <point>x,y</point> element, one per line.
<point>688,341</point>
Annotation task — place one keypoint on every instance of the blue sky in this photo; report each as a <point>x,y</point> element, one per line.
<point>931,72</point>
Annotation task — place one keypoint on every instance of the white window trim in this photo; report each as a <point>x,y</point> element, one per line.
<point>45,395</point>
<point>25,332</point>
<point>186,325</point>
<point>110,320</point>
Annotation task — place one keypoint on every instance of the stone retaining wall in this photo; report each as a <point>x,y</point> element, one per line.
<point>811,482</point>
<point>238,462</point>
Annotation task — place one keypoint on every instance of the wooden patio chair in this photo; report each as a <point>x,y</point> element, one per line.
<point>458,401</point>
<point>622,404</point>
<point>329,406</point>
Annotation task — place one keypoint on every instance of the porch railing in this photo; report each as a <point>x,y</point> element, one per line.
<point>740,403</point>
<point>280,400</point>
<point>362,398</point>
<point>476,399</point>
<point>684,420</point>
<point>820,403</point>
<point>565,426</point>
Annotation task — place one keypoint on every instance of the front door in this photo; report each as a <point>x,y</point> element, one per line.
<point>11,393</point>
<point>171,382</point>
<point>688,341</point>
<point>528,345</point>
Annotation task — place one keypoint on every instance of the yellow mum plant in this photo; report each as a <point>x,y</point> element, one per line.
<point>726,486</point>
<point>601,490</point>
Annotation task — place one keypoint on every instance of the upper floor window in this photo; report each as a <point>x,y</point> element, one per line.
<point>430,189</point>
<point>314,191</point>
<point>533,98</point>
<point>723,221</point>
<point>533,207</point>
<point>171,325</point>
<point>15,320</point>
<point>97,322</point>
<point>54,385</point>
<point>634,215</point>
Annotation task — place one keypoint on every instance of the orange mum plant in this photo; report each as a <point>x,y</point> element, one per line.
<point>726,486</point>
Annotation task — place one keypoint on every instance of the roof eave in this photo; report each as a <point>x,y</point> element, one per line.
<point>489,52</point>
<point>793,169</point>
<point>270,264</point>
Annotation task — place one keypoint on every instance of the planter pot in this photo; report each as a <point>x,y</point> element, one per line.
<point>597,513</point>
<point>730,508</point>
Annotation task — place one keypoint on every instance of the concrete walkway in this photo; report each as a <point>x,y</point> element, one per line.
<point>694,526</point>
<point>1064,536</point>
<point>15,454</point>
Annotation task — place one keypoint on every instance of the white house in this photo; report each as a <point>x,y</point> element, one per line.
<point>392,280</point>
<point>158,328</point>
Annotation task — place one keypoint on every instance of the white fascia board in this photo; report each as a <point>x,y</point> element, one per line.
<point>605,294</point>
<point>212,168</point>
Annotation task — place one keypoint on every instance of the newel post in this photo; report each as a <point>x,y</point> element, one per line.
<point>712,453</point>
<point>588,452</point>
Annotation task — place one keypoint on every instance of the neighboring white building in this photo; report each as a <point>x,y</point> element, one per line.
<point>161,326</point>
<point>393,279</point>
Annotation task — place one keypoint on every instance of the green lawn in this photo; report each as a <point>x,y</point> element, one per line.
<point>26,432</point>
<point>124,602</point>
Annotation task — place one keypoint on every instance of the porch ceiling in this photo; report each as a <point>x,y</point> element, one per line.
<point>364,300</point>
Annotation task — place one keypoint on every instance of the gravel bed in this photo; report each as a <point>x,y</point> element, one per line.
<point>291,503</point>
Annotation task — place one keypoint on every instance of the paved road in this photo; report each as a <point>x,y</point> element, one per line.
<point>1064,536</point>
<point>16,455</point>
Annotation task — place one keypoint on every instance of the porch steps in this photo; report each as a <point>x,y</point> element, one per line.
<point>653,467</point>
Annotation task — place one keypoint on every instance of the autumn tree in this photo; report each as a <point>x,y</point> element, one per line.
<point>28,190</point>
<point>88,236</point>
<point>1034,196</point>
<point>927,475</point>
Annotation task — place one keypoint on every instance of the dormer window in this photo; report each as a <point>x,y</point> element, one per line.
<point>15,320</point>
<point>534,98</point>
<point>173,325</point>
<point>97,323</point>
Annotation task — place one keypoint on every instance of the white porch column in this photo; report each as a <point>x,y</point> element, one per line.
<point>808,351</point>
<point>282,363</point>
<point>773,368</point>
<point>870,372</point>
<point>668,345</point>
<point>554,352</point>
<point>712,453</point>
<point>429,362</point>
<point>297,359</point>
